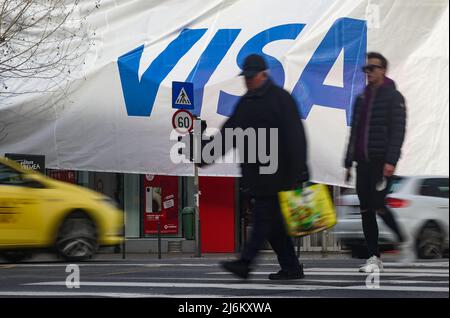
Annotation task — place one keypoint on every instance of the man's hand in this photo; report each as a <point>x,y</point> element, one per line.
<point>348,175</point>
<point>388,170</point>
<point>201,164</point>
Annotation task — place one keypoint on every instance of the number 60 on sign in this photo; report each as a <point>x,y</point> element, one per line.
<point>182,121</point>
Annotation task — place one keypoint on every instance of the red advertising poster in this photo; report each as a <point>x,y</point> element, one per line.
<point>160,204</point>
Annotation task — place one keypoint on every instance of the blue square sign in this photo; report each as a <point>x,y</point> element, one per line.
<point>182,95</point>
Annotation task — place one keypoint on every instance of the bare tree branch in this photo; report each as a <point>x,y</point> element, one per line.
<point>42,44</point>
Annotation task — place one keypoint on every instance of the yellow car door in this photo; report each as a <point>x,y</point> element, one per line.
<point>18,209</point>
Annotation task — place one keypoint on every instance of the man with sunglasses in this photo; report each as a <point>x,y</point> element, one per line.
<point>376,138</point>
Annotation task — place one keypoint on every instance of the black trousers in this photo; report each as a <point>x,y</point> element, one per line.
<point>268,225</point>
<point>372,202</point>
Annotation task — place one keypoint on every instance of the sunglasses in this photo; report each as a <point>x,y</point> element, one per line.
<point>370,68</point>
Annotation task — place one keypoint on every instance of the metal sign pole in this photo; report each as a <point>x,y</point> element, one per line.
<point>183,99</point>
<point>197,157</point>
<point>159,239</point>
<point>124,238</point>
<point>336,198</point>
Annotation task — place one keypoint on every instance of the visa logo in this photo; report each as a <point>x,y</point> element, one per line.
<point>346,34</point>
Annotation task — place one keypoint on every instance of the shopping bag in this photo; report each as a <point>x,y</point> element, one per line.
<point>308,210</point>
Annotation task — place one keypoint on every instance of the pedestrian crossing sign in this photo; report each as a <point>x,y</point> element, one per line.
<point>182,95</point>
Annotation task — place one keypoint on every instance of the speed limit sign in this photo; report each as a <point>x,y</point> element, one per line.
<point>182,121</point>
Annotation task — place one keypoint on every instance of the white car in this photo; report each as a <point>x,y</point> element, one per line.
<point>420,206</point>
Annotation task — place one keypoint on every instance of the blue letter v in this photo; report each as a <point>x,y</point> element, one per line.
<point>140,95</point>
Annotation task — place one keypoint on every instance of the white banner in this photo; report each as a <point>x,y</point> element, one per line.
<point>114,111</point>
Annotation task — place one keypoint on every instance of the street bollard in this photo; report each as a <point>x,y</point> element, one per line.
<point>123,244</point>
<point>242,233</point>
<point>159,239</point>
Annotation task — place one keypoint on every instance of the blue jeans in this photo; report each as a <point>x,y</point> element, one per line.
<point>268,225</point>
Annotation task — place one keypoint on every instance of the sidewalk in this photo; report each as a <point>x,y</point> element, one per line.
<point>139,257</point>
<point>213,258</point>
<point>267,255</point>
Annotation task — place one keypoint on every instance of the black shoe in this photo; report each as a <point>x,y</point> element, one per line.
<point>238,268</point>
<point>284,275</point>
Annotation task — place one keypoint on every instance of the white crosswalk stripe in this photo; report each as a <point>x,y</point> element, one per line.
<point>129,295</point>
<point>247,286</point>
<point>352,273</point>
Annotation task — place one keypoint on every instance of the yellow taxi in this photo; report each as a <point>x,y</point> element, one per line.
<point>37,212</point>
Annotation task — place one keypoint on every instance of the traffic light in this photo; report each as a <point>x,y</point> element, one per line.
<point>188,141</point>
<point>188,150</point>
<point>205,139</point>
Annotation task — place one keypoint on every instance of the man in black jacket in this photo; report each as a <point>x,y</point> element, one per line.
<point>265,109</point>
<point>377,133</point>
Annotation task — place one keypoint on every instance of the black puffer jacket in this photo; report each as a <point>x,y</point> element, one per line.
<point>386,126</point>
<point>272,107</point>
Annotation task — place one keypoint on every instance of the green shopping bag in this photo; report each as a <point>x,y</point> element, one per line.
<point>308,210</point>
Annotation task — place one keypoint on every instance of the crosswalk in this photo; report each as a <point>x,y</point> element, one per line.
<point>256,286</point>
<point>208,280</point>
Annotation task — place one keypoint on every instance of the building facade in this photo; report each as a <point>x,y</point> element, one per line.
<point>162,206</point>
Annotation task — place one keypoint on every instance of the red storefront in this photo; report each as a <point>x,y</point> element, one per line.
<point>217,210</point>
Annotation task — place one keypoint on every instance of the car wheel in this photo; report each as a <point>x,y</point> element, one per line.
<point>16,256</point>
<point>429,243</point>
<point>77,239</point>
